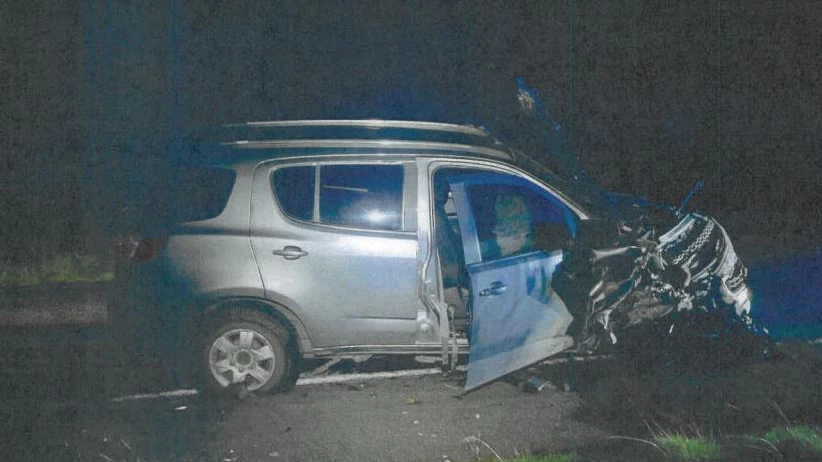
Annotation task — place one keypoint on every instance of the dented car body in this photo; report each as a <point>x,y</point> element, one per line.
<point>349,238</point>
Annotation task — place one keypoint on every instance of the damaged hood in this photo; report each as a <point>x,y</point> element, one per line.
<point>540,147</point>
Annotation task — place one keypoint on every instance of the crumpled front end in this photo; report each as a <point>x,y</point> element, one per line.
<point>638,263</point>
<point>701,250</point>
<point>616,281</point>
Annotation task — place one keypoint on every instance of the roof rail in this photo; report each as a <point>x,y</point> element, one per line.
<point>369,144</point>
<point>370,123</point>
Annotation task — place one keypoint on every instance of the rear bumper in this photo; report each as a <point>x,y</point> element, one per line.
<point>148,317</point>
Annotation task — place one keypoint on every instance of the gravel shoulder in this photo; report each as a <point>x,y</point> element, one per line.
<point>54,304</point>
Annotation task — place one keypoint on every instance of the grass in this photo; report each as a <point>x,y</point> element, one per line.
<point>679,447</point>
<point>810,437</point>
<point>792,442</point>
<point>477,443</point>
<point>689,448</point>
<point>66,268</point>
<point>786,443</point>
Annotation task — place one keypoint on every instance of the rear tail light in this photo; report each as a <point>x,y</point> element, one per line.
<point>139,250</point>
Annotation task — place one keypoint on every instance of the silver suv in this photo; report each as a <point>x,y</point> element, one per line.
<point>347,238</point>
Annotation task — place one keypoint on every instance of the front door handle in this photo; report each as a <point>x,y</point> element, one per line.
<point>291,252</point>
<point>496,288</point>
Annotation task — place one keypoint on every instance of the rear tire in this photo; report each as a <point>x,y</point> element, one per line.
<point>247,351</point>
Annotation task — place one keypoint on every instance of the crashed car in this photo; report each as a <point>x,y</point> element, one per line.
<point>291,240</point>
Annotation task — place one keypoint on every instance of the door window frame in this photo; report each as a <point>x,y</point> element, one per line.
<point>408,206</point>
<point>470,225</point>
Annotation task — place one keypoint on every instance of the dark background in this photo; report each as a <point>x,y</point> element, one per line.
<point>651,95</point>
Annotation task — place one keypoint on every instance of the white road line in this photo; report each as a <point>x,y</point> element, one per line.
<point>341,378</point>
<point>162,394</point>
<point>304,381</point>
<point>370,376</point>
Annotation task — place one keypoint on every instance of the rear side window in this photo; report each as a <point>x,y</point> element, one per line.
<point>201,193</point>
<point>357,196</point>
<point>362,196</point>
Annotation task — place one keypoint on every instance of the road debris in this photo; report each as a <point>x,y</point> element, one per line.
<point>322,370</point>
<point>533,385</point>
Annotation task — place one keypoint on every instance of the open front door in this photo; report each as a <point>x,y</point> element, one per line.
<point>508,227</point>
<point>517,319</point>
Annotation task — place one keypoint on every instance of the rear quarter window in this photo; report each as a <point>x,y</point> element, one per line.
<point>294,188</point>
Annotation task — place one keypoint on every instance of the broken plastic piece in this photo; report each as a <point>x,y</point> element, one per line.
<point>533,385</point>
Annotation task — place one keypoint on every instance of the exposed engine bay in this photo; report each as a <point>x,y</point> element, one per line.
<point>617,275</point>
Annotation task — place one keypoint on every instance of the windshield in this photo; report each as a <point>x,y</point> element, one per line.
<point>579,188</point>
<point>586,193</point>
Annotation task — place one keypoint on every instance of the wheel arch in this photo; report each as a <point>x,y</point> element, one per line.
<point>277,312</point>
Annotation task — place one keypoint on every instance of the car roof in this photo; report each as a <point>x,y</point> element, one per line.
<point>252,141</point>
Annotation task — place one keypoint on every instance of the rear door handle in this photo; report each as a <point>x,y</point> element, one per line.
<point>496,288</point>
<point>291,252</point>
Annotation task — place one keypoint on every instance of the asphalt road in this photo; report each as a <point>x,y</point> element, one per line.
<point>65,397</point>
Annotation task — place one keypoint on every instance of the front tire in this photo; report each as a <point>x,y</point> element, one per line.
<point>248,352</point>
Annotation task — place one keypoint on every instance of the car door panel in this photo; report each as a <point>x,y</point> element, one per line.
<point>350,287</point>
<point>516,317</point>
<point>519,325</point>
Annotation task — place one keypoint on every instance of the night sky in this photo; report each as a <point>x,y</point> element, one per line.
<point>651,95</point>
